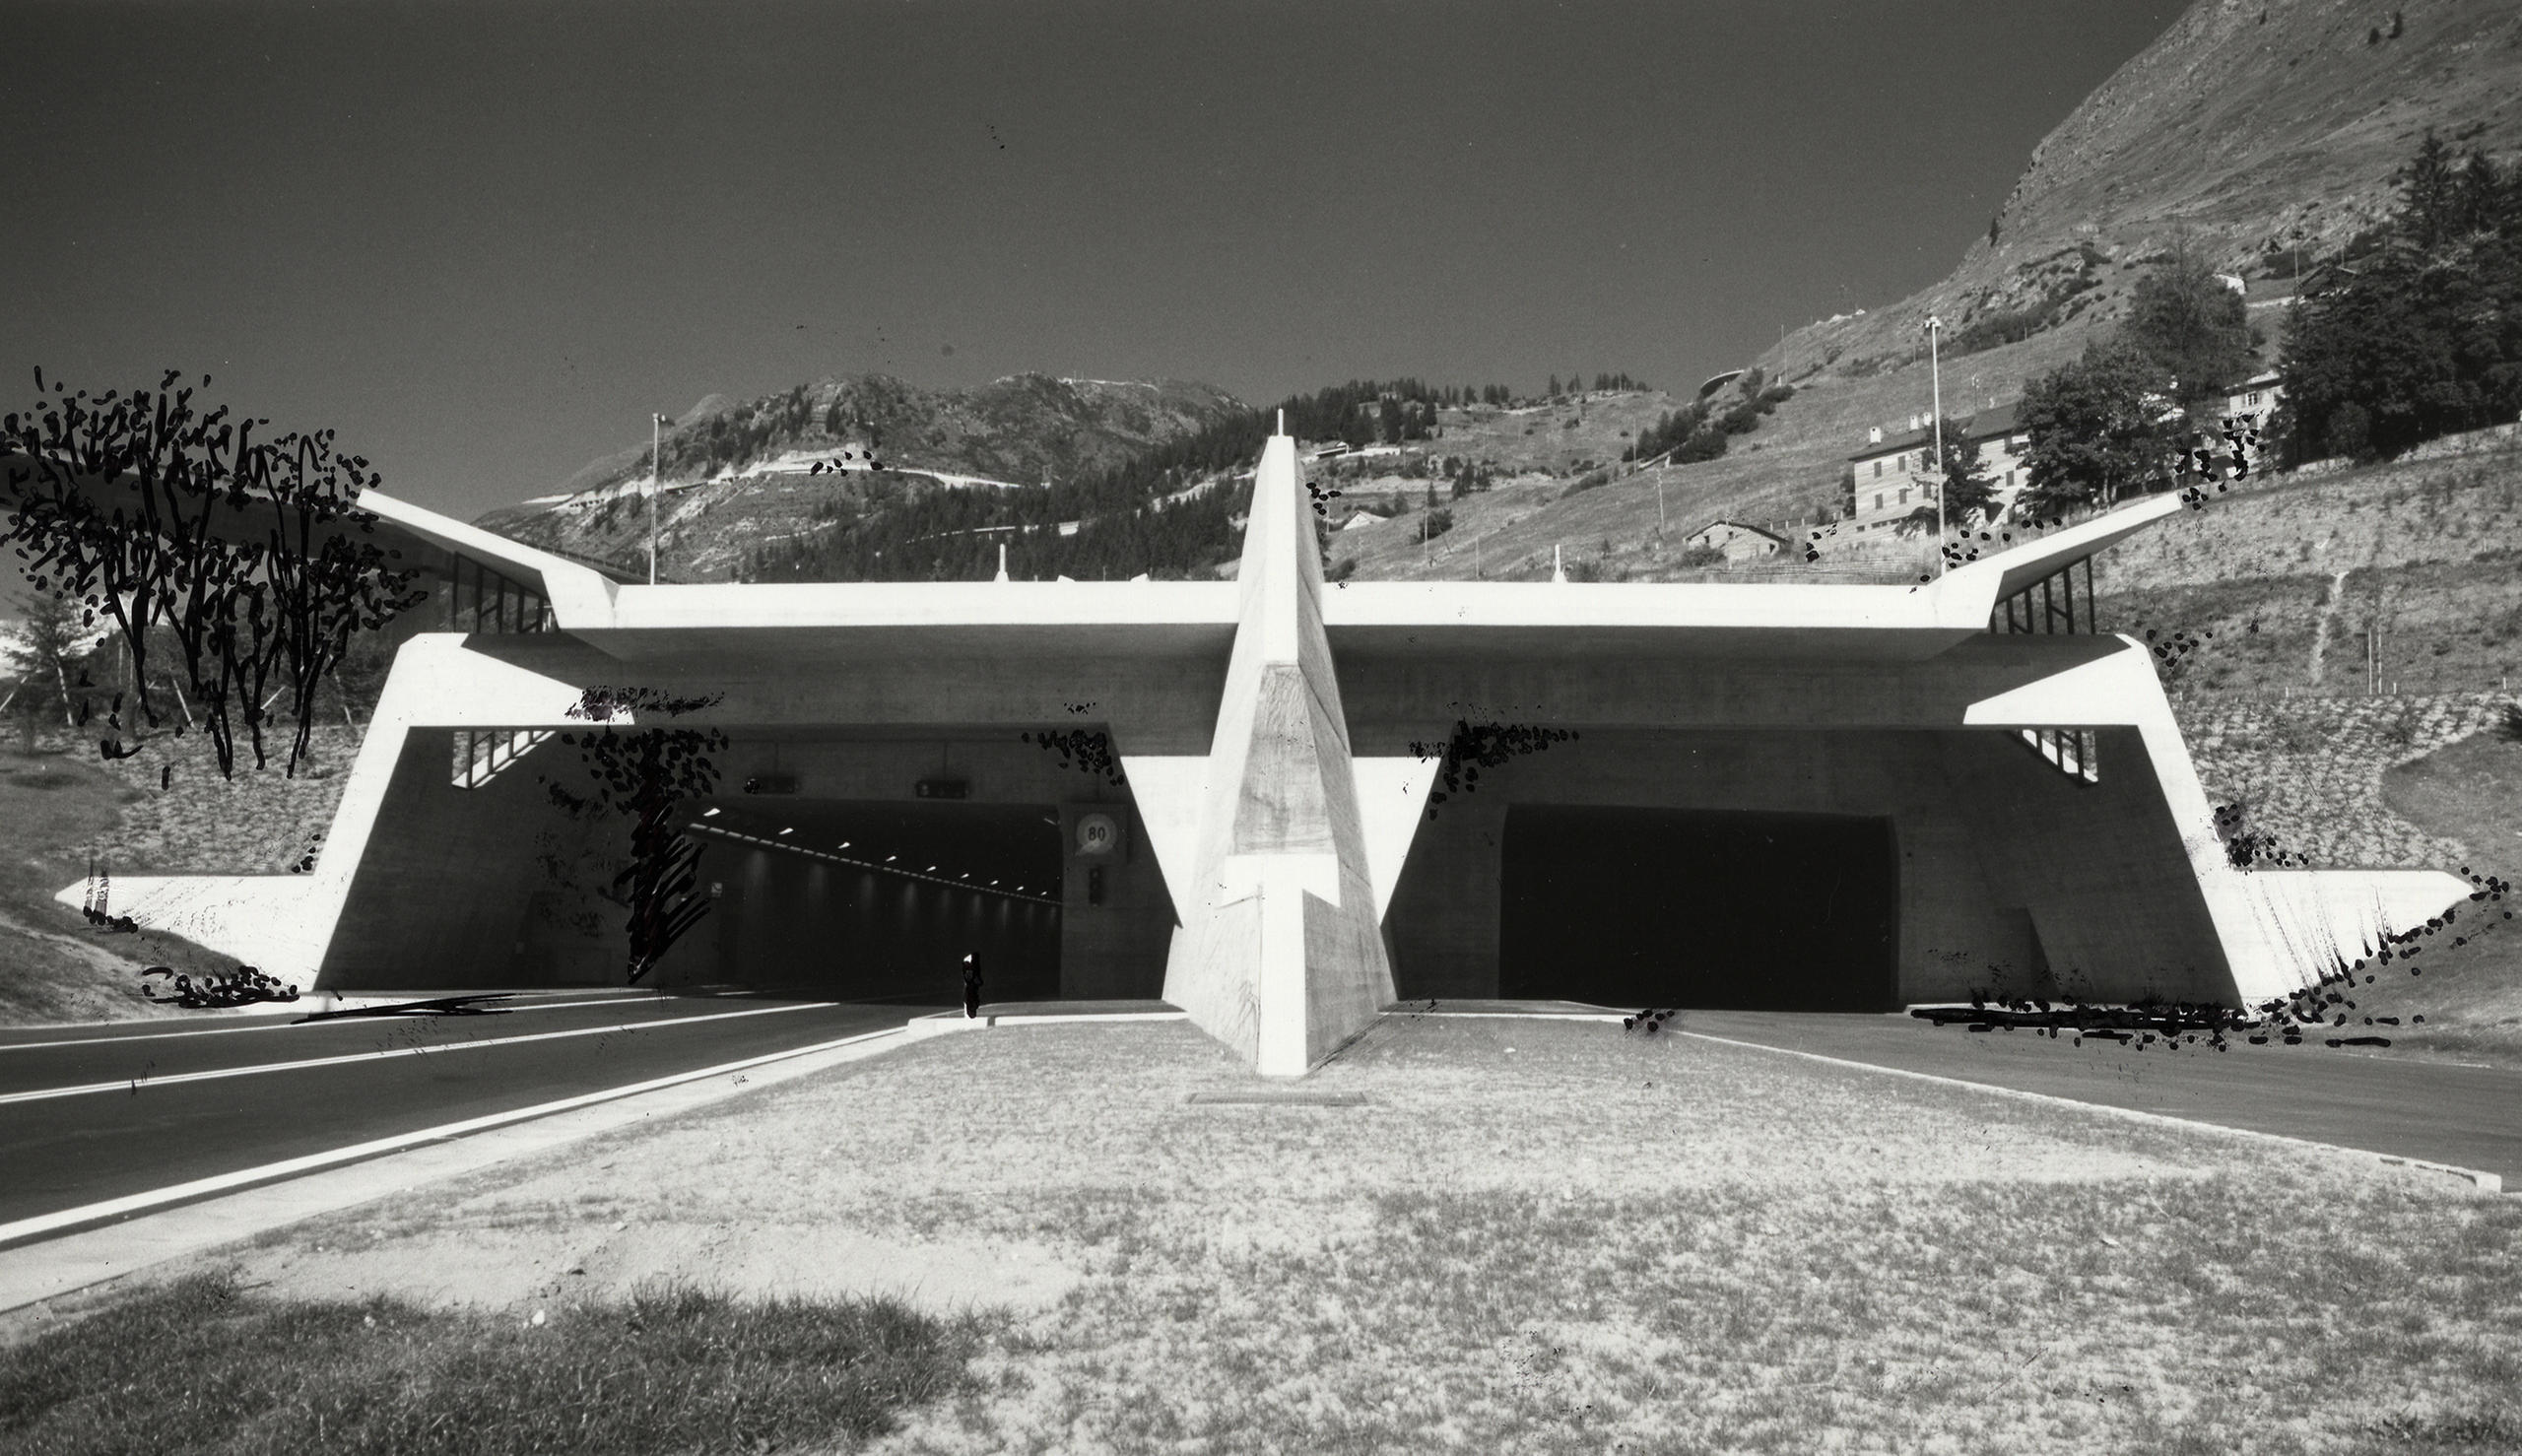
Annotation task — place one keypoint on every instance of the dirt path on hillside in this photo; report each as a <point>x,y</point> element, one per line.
<point>2320,633</point>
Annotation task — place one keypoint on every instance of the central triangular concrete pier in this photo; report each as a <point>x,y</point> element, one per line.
<point>1279,954</point>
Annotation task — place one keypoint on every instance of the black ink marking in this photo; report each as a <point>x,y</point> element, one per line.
<point>2248,850</point>
<point>246,987</point>
<point>1482,746</point>
<point>255,614</point>
<point>1081,749</point>
<point>646,773</point>
<point>444,1006</point>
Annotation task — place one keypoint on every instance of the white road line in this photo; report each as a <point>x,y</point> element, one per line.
<point>134,1083</point>
<point>2486,1181</point>
<point>331,1019</point>
<point>202,1188</point>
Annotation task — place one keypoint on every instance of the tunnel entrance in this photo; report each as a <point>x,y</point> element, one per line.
<point>880,900</point>
<point>1741,910</point>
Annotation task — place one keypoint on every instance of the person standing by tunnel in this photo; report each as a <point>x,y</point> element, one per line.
<point>971,987</point>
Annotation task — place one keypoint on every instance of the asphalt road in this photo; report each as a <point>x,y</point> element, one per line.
<point>2407,1106</point>
<point>181,1101</point>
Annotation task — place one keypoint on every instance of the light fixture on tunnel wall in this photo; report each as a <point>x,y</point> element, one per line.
<point>708,814</point>
<point>792,828</point>
<point>790,847</point>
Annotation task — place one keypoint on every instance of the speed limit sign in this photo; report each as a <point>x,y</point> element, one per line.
<point>1097,833</point>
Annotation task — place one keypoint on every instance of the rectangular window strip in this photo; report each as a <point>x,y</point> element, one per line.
<point>2049,605</point>
<point>2070,751</point>
<point>482,754</point>
<point>481,600</point>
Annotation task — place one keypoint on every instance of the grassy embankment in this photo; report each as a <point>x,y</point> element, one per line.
<point>201,1365</point>
<point>1528,1236</point>
<point>2289,574</point>
<point>2470,995</point>
<point>63,804</point>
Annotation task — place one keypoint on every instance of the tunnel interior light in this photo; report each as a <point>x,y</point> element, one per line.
<point>708,814</point>
<point>889,859</point>
<point>792,828</point>
<point>844,844</point>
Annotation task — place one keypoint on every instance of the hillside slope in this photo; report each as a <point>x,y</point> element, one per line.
<point>2245,128</point>
<point>737,473</point>
<point>2249,127</point>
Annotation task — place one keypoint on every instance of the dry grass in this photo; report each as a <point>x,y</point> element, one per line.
<point>54,804</point>
<point>202,1366</point>
<point>2470,995</point>
<point>1588,1242</point>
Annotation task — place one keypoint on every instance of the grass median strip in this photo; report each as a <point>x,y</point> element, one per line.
<point>204,1365</point>
<point>1530,1235</point>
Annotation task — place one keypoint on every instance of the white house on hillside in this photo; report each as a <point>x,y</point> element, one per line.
<point>1738,542</point>
<point>1896,475</point>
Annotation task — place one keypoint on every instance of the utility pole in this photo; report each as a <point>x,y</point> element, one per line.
<point>1659,507</point>
<point>656,479</point>
<point>1935,370</point>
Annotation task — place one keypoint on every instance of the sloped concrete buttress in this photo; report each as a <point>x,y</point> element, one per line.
<point>1280,954</point>
<point>2274,932</point>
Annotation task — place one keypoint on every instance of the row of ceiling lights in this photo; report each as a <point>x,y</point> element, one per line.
<point>962,882</point>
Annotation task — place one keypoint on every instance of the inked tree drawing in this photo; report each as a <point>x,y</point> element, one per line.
<point>245,548</point>
<point>646,773</point>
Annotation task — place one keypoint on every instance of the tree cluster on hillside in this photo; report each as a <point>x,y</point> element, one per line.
<point>1603,384</point>
<point>1467,476</point>
<point>740,438</point>
<point>926,532</point>
<point>2097,428</point>
<point>44,661</point>
<point>1166,511</point>
<point>2423,334</point>
<point>1698,430</point>
<point>2117,419</point>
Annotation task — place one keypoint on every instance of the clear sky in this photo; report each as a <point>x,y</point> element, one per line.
<point>483,241</point>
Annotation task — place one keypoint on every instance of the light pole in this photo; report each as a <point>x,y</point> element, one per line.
<point>1935,373</point>
<point>656,483</point>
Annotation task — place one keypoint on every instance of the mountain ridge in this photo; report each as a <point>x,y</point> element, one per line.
<point>736,472</point>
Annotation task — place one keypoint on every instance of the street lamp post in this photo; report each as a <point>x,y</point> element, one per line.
<point>1935,373</point>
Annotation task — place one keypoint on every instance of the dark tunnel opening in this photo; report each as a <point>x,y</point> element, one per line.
<point>880,900</point>
<point>1718,909</point>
